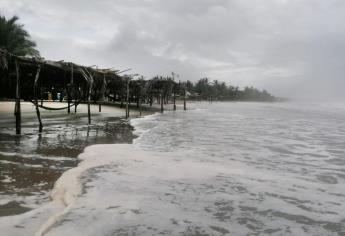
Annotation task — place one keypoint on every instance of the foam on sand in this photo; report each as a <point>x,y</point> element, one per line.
<point>127,179</point>
<point>135,187</point>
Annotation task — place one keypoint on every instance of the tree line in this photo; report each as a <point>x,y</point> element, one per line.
<point>205,89</point>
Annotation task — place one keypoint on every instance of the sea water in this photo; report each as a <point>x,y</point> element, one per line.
<point>31,163</point>
<point>216,169</point>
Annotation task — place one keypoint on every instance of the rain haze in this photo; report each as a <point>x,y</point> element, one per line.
<point>292,48</point>
<point>171,117</point>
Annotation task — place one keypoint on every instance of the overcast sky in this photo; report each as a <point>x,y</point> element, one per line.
<point>293,48</point>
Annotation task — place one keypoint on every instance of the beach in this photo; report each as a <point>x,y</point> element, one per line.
<point>31,163</point>
<point>216,169</point>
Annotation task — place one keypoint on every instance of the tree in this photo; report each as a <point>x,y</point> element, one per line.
<point>205,89</point>
<point>15,39</point>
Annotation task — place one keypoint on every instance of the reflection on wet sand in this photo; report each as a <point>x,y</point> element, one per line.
<point>31,163</point>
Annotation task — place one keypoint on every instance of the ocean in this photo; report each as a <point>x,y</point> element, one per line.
<point>226,168</point>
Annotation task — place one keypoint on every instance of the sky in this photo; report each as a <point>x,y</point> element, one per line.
<point>292,48</point>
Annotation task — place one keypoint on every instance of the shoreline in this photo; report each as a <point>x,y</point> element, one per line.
<point>63,193</point>
<point>31,163</point>
<point>152,187</point>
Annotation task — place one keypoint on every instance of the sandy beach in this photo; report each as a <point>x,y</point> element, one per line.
<point>31,163</point>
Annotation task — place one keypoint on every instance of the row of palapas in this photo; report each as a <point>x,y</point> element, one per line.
<point>36,80</point>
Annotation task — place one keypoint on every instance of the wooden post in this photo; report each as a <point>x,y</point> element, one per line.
<point>103,91</point>
<point>36,99</point>
<point>140,99</point>
<point>75,100</point>
<point>140,106</point>
<point>174,100</point>
<point>42,95</point>
<point>161,100</point>
<point>17,110</point>
<point>127,98</point>
<point>184,100</point>
<point>88,102</point>
<point>174,88</point>
<point>69,92</point>
<point>68,101</point>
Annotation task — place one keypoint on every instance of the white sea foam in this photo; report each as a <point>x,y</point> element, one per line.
<point>147,175</point>
<point>139,131</point>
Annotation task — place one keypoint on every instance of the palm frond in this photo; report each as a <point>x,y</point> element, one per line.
<point>15,39</point>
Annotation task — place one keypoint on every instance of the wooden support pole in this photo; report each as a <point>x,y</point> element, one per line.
<point>88,102</point>
<point>103,92</point>
<point>140,100</point>
<point>69,88</point>
<point>74,91</point>
<point>162,102</point>
<point>68,103</point>
<point>140,105</point>
<point>184,100</point>
<point>17,110</point>
<point>127,99</point>
<point>68,100</point>
<point>42,95</point>
<point>36,99</point>
<point>75,101</point>
<point>174,100</point>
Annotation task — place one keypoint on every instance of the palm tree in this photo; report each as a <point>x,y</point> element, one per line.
<point>15,39</point>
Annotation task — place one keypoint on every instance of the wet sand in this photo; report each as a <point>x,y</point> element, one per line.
<point>31,163</point>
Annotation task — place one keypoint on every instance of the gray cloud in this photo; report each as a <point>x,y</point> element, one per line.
<point>290,47</point>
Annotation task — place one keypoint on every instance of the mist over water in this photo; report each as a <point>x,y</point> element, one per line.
<point>217,169</point>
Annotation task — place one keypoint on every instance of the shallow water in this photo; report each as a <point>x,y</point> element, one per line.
<point>218,169</point>
<point>31,163</point>
<point>292,157</point>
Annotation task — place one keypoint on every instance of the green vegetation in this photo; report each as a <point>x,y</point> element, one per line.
<point>15,39</point>
<point>204,89</point>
